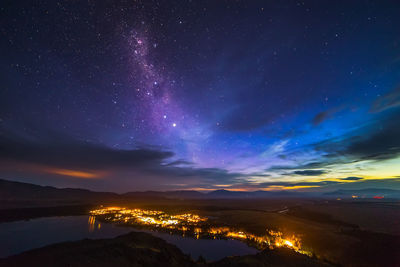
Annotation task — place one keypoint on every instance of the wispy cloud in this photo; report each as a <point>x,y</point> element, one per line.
<point>73,173</point>
<point>351,178</point>
<point>310,172</point>
<point>390,100</point>
<point>325,115</point>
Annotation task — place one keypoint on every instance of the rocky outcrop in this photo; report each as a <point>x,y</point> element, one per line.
<point>277,257</point>
<point>133,249</point>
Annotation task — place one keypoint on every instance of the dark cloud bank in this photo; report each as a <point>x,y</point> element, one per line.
<point>57,151</point>
<point>310,172</point>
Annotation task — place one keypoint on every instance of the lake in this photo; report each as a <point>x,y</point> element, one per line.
<point>20,236</point>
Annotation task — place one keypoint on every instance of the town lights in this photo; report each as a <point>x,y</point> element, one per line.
<point>194,225</point>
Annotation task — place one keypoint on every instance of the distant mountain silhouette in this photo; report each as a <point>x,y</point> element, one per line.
<point>221,194</point>
<point>180,194</point>
<point>18,194</point>
<point>366,193</point>
<point>15,190</point>
<point>25,194</point>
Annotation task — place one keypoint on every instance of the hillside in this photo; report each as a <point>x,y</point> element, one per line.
<point>17,194</point>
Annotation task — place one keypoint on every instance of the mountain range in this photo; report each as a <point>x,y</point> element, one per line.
<point>18,192</point>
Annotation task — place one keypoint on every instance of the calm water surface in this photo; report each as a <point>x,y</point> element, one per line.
<point>16,237</point>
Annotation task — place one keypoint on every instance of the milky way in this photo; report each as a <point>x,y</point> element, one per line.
<point>153,90</point>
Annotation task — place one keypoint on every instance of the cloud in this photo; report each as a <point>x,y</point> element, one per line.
<point>321,186</point>
<point>54,154</point>
<point>204,174</point>
<point>179,162</point>
<point>351,178</point>
<point>320,117</point>
<point>73,173</point>
<point>310,165</point>
<point>275,149</point>
<point>382,143</point>
<point>281,185</point>
<point>325,115</point>
<point>64,152</point>
<point>310,172</point>
<point>378,140</point>
<point>390,100</point>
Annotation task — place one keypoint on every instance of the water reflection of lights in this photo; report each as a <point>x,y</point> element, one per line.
<point>92,224</point>
<point>193,225</point>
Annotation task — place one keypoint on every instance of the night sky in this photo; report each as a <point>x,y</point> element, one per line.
<point>170,95</point>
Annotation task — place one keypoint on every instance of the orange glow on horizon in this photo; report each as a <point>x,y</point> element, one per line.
<point>74,173</point>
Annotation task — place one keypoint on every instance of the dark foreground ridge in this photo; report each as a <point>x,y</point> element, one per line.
<point>142,249</point>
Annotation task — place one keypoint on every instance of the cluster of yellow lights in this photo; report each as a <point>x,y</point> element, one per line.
<point>196,225</point>
<point>150,217</point>
<point>272,239</point>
